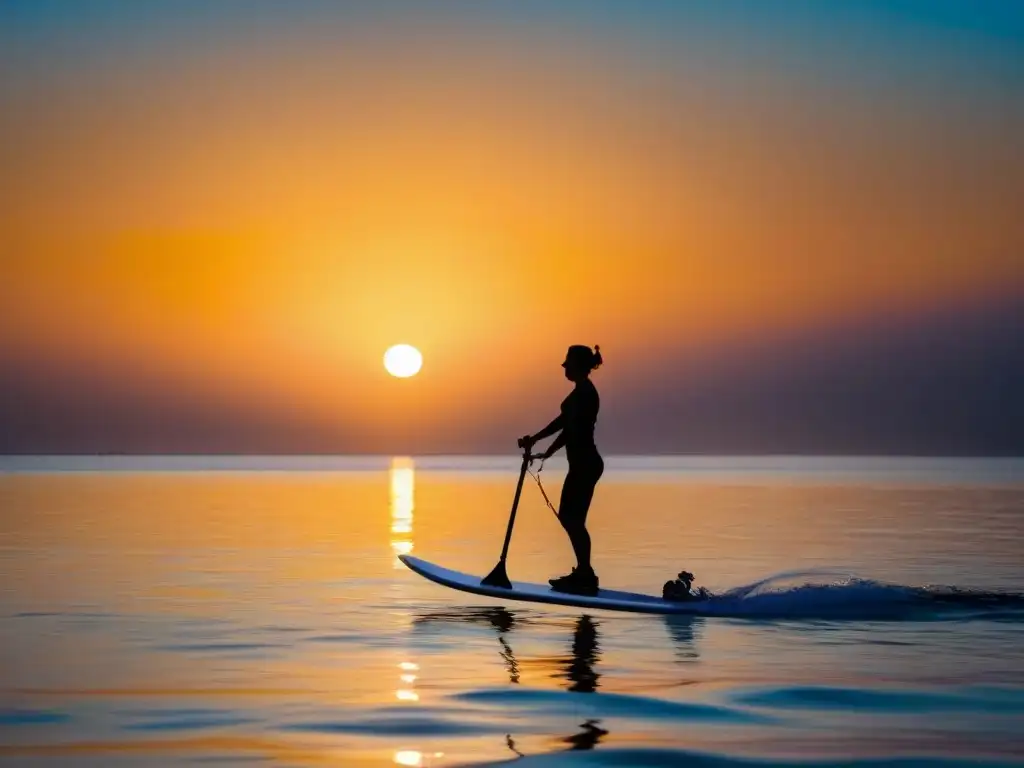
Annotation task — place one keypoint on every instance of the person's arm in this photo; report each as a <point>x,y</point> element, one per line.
<point>549,430</point>
<point>557,443</point>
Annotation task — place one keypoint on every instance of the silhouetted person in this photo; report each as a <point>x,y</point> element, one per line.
<point>575,428</point>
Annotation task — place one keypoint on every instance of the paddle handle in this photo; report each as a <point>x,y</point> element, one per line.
<point>515,504</point>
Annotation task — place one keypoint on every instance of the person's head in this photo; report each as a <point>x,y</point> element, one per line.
<point>580,360</point>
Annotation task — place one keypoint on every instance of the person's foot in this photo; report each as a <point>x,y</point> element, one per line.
<point>589,582</point>
<point>579,582</point>
<point>562,581</point>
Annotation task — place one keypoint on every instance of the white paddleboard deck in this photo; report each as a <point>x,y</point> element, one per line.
<point>605,599</point>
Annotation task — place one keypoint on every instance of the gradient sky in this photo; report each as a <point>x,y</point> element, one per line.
<point>791,226</point>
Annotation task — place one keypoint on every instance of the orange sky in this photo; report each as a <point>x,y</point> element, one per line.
<point>258,218</point>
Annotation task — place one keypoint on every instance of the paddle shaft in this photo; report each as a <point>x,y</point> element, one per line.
<point>515,504</point>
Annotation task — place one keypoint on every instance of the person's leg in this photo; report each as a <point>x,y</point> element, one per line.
<point>578,493</point>
<point>567,505</point>
<point>572,514</point>
<point>575,523</point>
<point>574,520</point>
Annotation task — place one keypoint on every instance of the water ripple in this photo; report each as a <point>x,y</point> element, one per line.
<point>186,720</point>
<point>820,697</point>
<point>17,717</point>
<point>397,726</point>
<point>607,704</point>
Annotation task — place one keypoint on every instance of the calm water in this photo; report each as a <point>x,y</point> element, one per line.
<point>153,612</point>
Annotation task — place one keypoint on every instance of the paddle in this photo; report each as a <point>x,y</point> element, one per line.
<point>499,576</point>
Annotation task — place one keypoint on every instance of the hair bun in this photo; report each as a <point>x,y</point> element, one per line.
<point>596,358</point>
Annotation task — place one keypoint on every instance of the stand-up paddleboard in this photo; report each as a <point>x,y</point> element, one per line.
<point>605,599</point>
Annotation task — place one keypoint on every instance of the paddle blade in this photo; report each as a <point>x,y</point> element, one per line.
<point>498,577</point>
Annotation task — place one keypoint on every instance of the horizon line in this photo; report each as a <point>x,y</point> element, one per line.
<point>488,455</point>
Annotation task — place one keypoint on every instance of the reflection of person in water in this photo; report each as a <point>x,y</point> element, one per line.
<point>578,669</point>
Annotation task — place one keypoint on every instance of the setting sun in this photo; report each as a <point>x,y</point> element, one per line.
<point>403,360</point>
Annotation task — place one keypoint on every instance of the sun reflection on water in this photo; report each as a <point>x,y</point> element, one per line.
<point>402,491</point>
<point>408,679</point>
<point>413,757</point>
<point>402,486</point>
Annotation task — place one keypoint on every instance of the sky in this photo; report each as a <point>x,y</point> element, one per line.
<point>792,227</point>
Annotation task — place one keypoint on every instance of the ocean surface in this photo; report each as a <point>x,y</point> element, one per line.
<point>210,610</point>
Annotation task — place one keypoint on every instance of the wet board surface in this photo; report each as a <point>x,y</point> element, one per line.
<point>605,599</point>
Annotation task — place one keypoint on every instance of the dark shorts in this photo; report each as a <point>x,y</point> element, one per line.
<point>578,491</point>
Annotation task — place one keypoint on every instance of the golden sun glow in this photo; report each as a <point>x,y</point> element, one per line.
<point>403,360</point>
